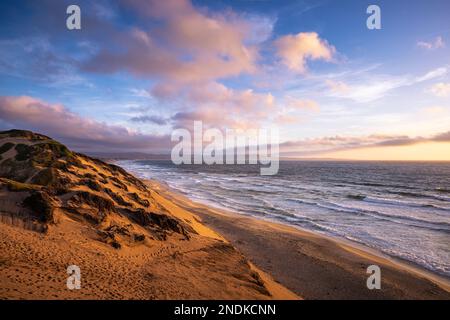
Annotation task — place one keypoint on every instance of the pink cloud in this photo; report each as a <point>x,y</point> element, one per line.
<point>440,89</point>
<point>188,50</point>
<point>321,145</point>
<point>296,50</point>
<point>217,105</point>
<point>337,86</point>
<point>189,45</point>
<point>209,118</point>
<point>286,119</point>
<point>78,132</point>
<point>302,104</point>
<point>220,95</point>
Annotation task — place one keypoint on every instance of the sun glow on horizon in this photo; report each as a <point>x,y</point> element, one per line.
<point>428,151</point>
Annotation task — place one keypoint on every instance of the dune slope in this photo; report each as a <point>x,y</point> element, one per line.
<point>61,208</point>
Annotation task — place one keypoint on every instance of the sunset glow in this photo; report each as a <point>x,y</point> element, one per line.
<point>333,86</point>
<point>433,151</point>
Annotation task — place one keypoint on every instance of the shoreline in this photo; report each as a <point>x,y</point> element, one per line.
<point>340,257</point>
<point>132,239</point>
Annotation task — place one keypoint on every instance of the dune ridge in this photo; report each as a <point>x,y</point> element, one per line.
<point>59,208</point>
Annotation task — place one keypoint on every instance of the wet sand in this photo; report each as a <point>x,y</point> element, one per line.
<point>311,265</point>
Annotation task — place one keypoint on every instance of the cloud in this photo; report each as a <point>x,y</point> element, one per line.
<point>376,86</point>
<point>213,119</point>
<point>286,119</point>
<point>433,74</point>
<point>187,50</point>
<point>339,87</point>
<point>295,50</point>
<point>432,45</point>
<point>189,45</point>
<point>35,58</point>
<point>185,119</point>
<point>80,133</point>
<point>104,9</point>
<point>149,119</point>
<point>222,96</point>
<point>440,89</point>
<point>142,93</point>
<point>292,110</point>
<point>317,146</point>
<point>207,103</point>
<point>85,134</point>
<point>442,137</point>
<point>302,104</point>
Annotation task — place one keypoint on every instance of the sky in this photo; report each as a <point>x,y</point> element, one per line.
<point>139,69</point>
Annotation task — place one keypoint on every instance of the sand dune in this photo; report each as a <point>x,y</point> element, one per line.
<point>59,208</point>
<point>33,266</point>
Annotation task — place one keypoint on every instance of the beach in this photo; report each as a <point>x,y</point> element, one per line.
<point>67,218</point>
<point>135,238</point>
<point>313,266</point>
<point>400,209</point>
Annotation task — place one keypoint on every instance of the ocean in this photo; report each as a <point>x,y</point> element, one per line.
<point>399,208</point>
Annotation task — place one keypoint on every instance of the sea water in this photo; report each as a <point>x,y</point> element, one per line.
<point>399,208</point>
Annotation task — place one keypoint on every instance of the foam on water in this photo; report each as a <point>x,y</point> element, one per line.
<point>401,209</point>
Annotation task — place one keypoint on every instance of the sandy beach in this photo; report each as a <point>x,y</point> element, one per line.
<point>33,266</point>
<point>311,265</point>
<point>128,242</point>
<point>138,239</point>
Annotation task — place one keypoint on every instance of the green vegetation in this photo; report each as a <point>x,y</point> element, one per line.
<point>93,200</point>
<point>136,198</point>
<point>91,184</point>
<point>45,153</point>
<point>23,152</point>
<point>46,177</point>
<point>5,147</point>
<point>18,186</point>
<point>117,198</point>
<point>16,170</point>
<point>57,148</point>
<point>41,204</point>
<point>44,169</point>
<point>14,133</point>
